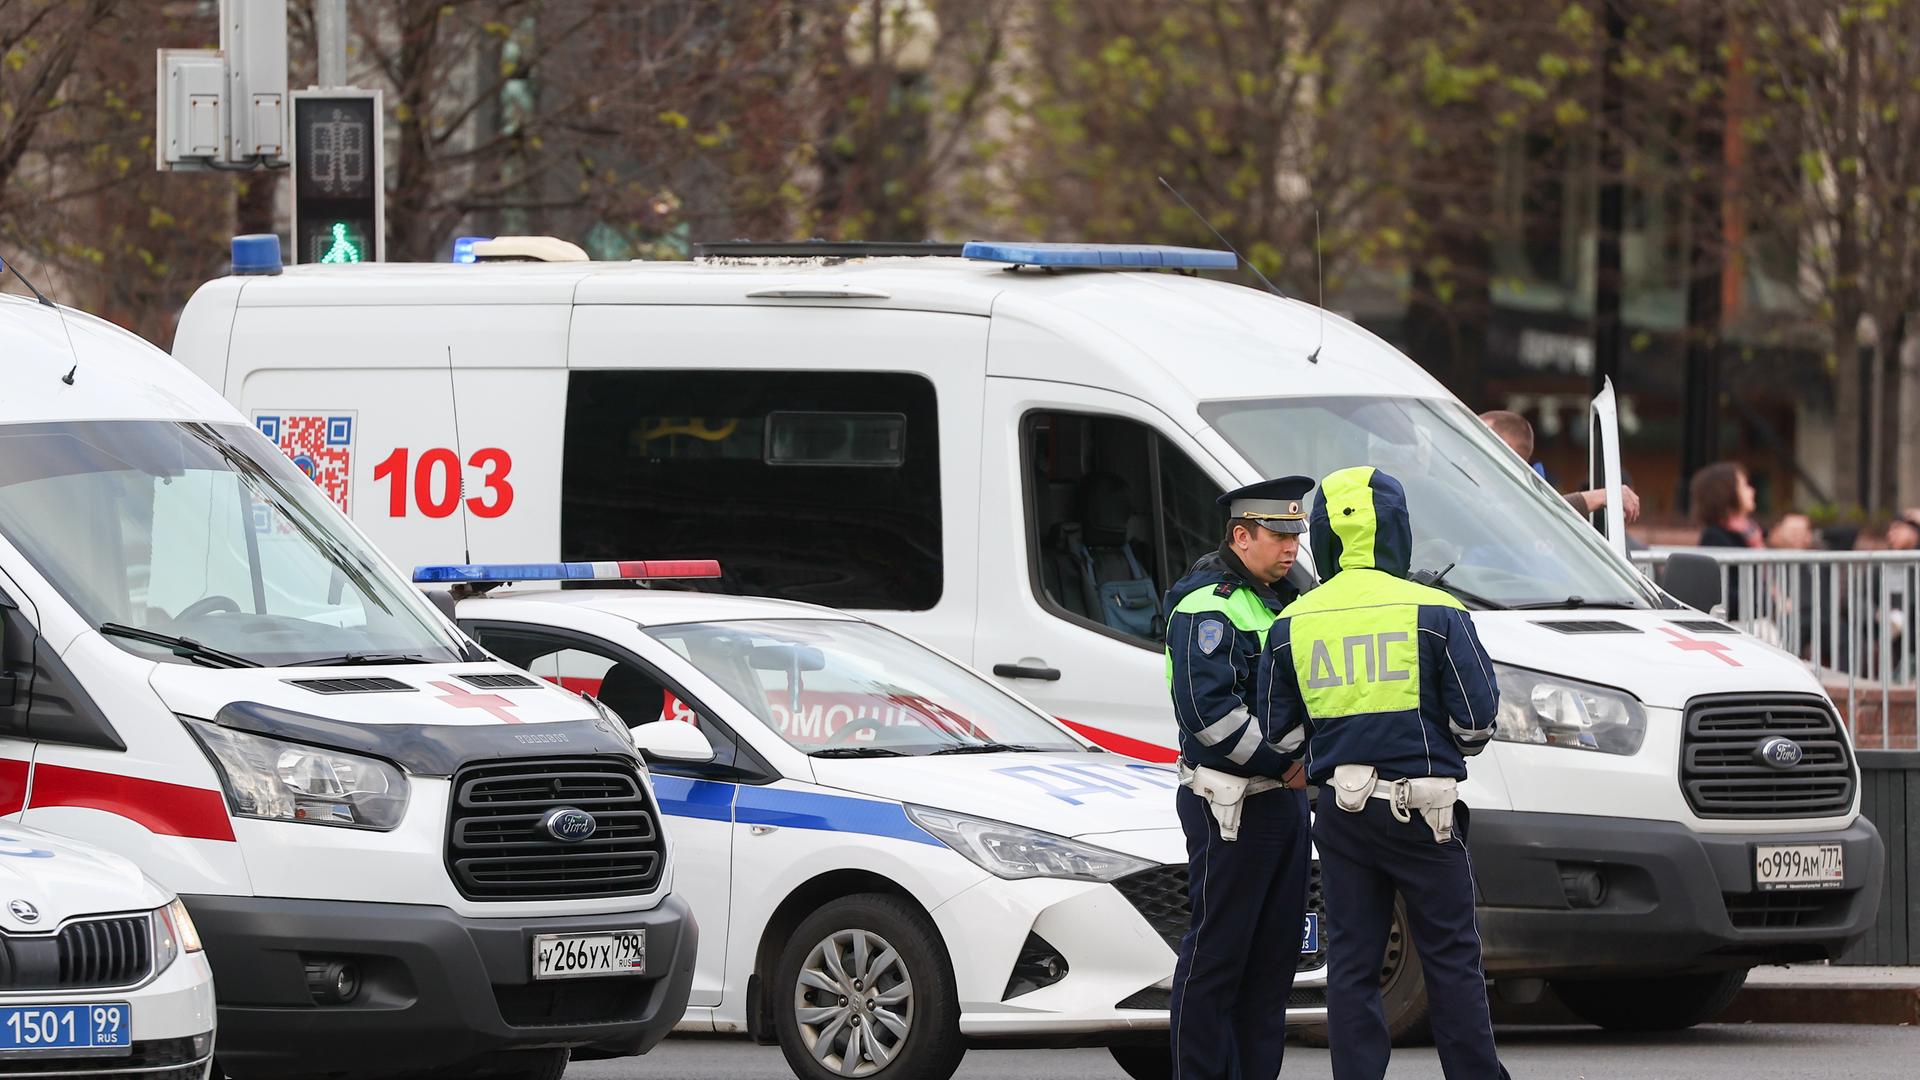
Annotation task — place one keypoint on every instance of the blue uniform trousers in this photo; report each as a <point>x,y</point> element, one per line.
<point>1249,897</point>
<point>1364,859</point>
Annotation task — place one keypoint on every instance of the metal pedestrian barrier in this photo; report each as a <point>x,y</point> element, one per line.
<point>1852,616</point>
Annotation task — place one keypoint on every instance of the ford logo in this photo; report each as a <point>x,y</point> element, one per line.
<point>1781,753</point>
<point>24,911</point>
<point>568,824</point>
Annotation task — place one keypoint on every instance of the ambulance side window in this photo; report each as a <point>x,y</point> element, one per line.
<point>1116,513</point>
<point>633,690</point>
<point>822,486</point>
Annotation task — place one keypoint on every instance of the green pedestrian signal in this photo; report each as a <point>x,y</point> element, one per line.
<point>343,249</point>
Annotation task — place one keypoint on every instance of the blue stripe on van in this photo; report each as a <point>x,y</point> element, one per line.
<point>712,800</point>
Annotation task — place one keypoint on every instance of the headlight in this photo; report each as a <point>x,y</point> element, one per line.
<point>285,781</point>
<point>173,934</point>
<point>1010,851</point>
<point>1551,711</point>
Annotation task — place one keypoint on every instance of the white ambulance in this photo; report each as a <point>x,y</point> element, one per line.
<point>1000,449</point>
<point>402,855</point>
<point>892,859</point>
<point>101,971</point>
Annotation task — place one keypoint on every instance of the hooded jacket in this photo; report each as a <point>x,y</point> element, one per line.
<point>1216,632</point>
<point>1377,670</point>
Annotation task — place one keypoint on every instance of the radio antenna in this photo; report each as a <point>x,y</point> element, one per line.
<point>460,458</point>
<point>1271,287</point>
<point>64,328</point>
<point>1320,276</point>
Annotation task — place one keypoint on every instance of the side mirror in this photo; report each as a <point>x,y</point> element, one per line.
<point>1693,579</point>
<point>673,740</point>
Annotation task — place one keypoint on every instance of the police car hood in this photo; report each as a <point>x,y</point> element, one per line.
<point>52,880</point>
<point>1661,657</point>
<point>433,694</point>
<point>1067,794</point>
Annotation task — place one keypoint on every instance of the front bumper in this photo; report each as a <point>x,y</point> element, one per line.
<point>438,991</point>
<point>172,1030</point>
<point>1676,901</point>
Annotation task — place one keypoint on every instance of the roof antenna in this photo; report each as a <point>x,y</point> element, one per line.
<point>1271,287</point>
<point>1320,276</point>
<point>64,328</point>
<point>460,455</point>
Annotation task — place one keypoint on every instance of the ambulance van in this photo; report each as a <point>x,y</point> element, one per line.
<point>1009,451</point>
<point>402,856</point>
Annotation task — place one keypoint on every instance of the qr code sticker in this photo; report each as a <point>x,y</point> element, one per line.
<point>320,445</point>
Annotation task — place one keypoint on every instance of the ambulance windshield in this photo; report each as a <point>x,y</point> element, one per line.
<point>1476,507</point>
<point>838,688</point>
<point>163,531</point>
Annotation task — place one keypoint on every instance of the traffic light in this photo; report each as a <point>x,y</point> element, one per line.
<point>339,197</point>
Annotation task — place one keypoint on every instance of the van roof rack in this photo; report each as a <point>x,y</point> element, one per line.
<point>824,249</point>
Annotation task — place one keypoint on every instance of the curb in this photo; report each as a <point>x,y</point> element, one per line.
<point>1824,1005</point>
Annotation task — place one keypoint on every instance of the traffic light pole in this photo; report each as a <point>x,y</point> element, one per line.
<point>330,34</point>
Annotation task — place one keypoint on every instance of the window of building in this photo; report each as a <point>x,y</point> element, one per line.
<point>1116,514</point>
<point>819,486</point>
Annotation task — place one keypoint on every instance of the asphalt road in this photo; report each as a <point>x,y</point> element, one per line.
<point>1712,1052</point>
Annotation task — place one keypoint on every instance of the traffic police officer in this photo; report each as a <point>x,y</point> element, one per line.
<point>1389,679</point>
<point>1247,839</point>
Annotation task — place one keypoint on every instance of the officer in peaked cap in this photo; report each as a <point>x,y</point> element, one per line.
<point>1246,826</point>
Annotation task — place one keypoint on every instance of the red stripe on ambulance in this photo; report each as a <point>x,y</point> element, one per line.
<point>161,808</point>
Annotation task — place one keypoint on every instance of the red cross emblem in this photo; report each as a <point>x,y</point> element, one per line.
<point>1719,649</point>
<point>461,698</point>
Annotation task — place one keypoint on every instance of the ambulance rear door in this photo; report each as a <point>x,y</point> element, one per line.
<point>363,398</point>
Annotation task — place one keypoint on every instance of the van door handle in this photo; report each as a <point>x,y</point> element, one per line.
<point>1021,671</point>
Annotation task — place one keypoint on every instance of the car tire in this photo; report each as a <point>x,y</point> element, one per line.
<point>1152,1061</point>
<point>820,1013</point>
<point>1403,990</point>
<point>1666,1003</point>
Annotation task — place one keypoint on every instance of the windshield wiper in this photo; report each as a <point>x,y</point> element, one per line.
<point>989,748</point>
<point>855,751</point>
<point>181,646</point>
<point>1575,602</point>
<point>352,658</point>
<point>1419,577</point>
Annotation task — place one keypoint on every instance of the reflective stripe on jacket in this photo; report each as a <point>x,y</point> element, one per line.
<point>1216,634</point>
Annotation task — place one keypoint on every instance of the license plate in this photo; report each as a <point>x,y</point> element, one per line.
<point>1310,934</point>
<point>575,956</point>
<point>1798,866</point>
<point>91,1026</point>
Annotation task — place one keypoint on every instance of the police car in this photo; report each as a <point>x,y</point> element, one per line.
<point>101,971</point>
<point>891,858</point>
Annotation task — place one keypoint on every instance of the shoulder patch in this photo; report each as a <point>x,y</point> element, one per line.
<point>1225,588</point>
<point>1210,634</point>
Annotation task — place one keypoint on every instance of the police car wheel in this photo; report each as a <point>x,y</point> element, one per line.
<point>867,992</point>
<point>1667,1003</point>
<point>1403,990</point>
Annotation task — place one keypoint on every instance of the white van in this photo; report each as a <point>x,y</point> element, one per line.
<point>104,976</point>
<point>983,447</point>
<point>205,669</point>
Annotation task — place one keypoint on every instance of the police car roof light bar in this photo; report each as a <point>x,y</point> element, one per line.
<point>506,573</point>
<point>1110,256</point>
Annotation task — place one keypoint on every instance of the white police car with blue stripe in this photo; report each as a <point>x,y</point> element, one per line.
<point>101,972</point>
<point>891,858</point>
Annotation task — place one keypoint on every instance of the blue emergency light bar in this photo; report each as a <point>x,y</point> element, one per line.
<point>505,573</point>
<point>1100,255</point>
<point>463,248</point>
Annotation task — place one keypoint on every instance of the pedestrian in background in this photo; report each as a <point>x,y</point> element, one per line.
<point>1722,499</point>
<point>1517,433</point>
<point>1248,852</point>
<point>1390,680</point>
